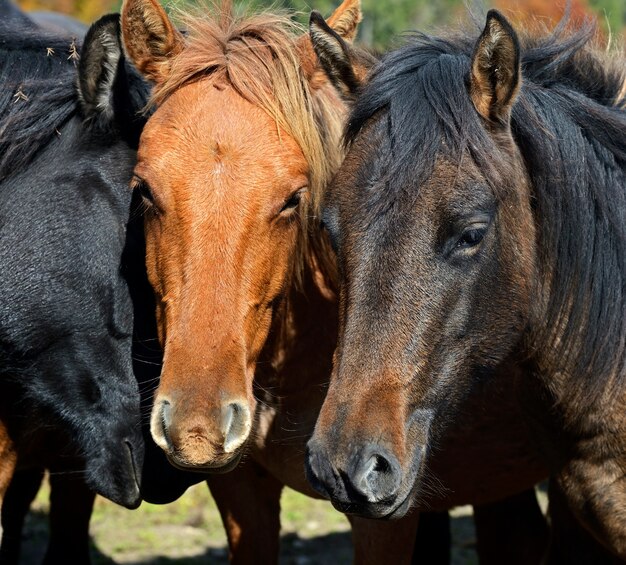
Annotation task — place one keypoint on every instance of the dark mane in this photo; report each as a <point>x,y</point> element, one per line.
<point>569,122</point>
<point>38,95</point>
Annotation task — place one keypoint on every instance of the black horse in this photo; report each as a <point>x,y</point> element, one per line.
<point>480,222</point>
<point>69,129</point>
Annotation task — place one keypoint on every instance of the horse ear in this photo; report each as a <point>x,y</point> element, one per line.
<point>345,19</point>
<point>344,65</point>
<point>344,22</point>
<point>149,37</point>
<point>495,71</point>
<point>98,68</point>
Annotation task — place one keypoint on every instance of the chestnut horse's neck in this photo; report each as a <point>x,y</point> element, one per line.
<point>299,348</point>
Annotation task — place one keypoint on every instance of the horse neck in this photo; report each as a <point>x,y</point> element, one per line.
<point>576,341</point>
<point>303,334</point>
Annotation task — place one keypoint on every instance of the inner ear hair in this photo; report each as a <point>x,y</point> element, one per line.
<point>345,19</point>
<point>495,70</point>
<point>98,68</point>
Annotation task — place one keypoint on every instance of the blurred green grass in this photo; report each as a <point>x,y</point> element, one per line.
<point>189,532</point>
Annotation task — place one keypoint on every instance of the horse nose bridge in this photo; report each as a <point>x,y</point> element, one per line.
<point>361,409</point>
<point>212,366</point>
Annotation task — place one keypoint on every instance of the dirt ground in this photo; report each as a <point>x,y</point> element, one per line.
<point>189,532</point>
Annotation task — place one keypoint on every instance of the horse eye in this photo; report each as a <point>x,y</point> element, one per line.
<point>146,193</point>
<point>144,190</point>
<point>471,237</point>
<point>293,201</point>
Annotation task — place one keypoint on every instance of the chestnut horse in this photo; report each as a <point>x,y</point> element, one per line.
<point>232,167</point>
<point>479,218</point>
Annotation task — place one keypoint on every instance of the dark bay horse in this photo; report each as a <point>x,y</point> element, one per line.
<point>68,398</point>
<point>232,167</point>
<point>480,223</point>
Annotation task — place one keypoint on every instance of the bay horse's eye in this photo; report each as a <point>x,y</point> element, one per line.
<point>293,201</point>
<point>471,237</point>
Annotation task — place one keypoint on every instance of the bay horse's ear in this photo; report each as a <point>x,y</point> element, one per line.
<point>495,71</point>
<point>98,68</point>
<point>150,39</point>
<point>344,65</point>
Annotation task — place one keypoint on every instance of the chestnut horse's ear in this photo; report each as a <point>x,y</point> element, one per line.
<point>495,71</point>
<point>150,39</point>
<point>345,19</point>
<point>344,65</point>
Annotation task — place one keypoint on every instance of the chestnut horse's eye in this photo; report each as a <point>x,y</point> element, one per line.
<point>142,187</point>
<point>293,201</point>
<point>471,237</point>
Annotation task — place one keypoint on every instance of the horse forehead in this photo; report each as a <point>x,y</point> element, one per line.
<point>209,129</point>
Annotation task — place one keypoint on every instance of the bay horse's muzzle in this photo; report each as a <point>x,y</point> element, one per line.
<point>367,484</point>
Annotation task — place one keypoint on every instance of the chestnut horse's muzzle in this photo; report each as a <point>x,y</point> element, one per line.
<point>205,441</point>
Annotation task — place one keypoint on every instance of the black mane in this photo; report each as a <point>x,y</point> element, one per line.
<point>38,72</point>
<point>38,95</point>
<point>569,122</point>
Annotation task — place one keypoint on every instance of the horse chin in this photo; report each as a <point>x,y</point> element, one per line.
<point>214,468</point>
<point>118,480</point>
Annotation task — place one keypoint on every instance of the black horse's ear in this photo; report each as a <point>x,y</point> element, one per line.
<point>100,63</point>
<point>495,71</point>
<point>345,66</point>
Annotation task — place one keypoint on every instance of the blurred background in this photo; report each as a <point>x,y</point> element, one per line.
<point>385,19</point>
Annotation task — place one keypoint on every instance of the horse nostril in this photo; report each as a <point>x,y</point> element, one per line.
<point>160,424</point>
<point>166,418</point>
<point>377,476</point>
<point>236,425</point>
<point>166,413</point>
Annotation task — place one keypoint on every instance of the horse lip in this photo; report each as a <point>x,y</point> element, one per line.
<point>400,509</point>
<point>397,511</point>
<point>135,476</point>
